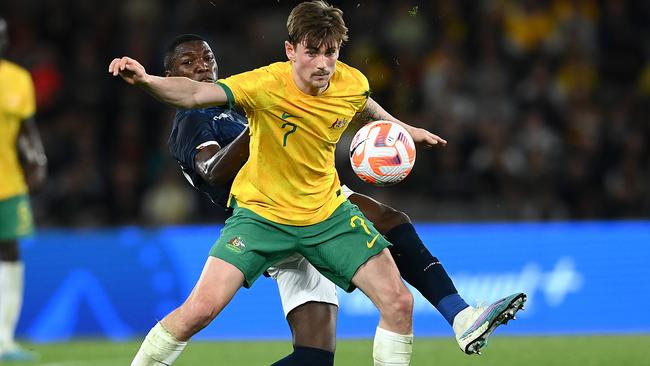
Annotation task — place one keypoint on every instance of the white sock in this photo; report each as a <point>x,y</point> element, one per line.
<point>391,348</point>
<point>159,348</point>
<point>11,300</point>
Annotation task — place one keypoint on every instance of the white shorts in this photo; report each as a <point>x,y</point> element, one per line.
<point>299,282</point>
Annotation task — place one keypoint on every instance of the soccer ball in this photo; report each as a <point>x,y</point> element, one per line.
<point>382,153</point>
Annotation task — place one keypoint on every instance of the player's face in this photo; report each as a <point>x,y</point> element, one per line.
<point>312,67</point>
<point>195,60</point>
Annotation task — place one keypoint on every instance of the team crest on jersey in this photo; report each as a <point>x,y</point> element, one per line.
<point>236,244</point>
<point>339,124</point>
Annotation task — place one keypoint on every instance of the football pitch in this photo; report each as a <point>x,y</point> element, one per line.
<point>502,351</point>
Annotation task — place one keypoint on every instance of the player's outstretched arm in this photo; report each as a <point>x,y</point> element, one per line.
<point>179,92</point>
<point>374,112</point>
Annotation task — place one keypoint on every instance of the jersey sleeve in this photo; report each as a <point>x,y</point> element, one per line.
<point>250,90</point>
<point>193,131</point>
<point>364,88</point>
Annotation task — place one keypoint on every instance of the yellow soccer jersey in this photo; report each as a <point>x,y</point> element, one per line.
<point>290,177</point>
<point>17,103</point>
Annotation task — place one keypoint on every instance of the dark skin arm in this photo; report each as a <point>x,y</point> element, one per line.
<point>32,153</point>
<point>219,166</point>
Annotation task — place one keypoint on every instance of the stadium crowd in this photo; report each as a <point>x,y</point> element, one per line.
<point>544,102</point>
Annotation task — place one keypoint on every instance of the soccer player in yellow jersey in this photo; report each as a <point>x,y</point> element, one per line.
<point>21,152</point>
<point>287,198</point>
<point>211,145</point>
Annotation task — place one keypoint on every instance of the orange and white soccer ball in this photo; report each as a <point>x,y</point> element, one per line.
<point>382,153</point>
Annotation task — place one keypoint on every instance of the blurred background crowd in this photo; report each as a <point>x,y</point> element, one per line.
<point>545,103</point>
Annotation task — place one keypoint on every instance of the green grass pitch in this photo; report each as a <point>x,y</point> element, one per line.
<point>502,351</point>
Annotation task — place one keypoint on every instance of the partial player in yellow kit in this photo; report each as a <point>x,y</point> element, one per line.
<point>23,166</point>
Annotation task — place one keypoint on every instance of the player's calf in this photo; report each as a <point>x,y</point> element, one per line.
<point>379,279</point>
<point>393,342</point>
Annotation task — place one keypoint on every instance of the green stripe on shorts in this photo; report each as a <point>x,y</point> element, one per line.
<point>15,217</point>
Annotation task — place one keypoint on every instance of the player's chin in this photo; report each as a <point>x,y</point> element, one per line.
<point>320,82</point>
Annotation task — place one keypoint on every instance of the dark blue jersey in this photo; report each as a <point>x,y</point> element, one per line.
<point>196,128</point>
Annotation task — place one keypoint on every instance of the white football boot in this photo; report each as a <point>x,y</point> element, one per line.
<point>473,326</point>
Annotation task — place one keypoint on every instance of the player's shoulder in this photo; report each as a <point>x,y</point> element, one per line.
<point>259,79</point>
<point>279,67</point>
<point>271,70</point>
<point>274,72</point>
<point>13,69</point>
<point>350,73</point>
<point>199,113</point>
<point>191,115</point>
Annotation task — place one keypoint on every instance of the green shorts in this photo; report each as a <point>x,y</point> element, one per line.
<point>337,247</point>
<point>15,217</point>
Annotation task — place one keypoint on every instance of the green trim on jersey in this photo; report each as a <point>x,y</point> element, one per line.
<point>229,95</point>
<point>336,247</point>
<point>16,218</point>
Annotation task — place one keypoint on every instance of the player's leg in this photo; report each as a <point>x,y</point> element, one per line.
<point>349,251</point>
<point>244,250</point>
<point>379,279</point>
<point>215,288</point>
<point>15,222</point>
<point>310,305</point>
<point>472,326</point>
<point>313,325</point>
<point>415,262</point>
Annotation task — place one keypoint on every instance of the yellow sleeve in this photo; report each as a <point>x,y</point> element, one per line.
<point>250,90</point>
<point>363,85</point>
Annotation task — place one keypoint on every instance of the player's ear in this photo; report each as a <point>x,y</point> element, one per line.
<point>290,51</point>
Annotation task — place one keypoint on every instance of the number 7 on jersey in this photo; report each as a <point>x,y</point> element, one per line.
<point>293,129</point>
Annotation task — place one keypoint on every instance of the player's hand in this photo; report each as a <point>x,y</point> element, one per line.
<point>425,138</point>
<point>129,69</point>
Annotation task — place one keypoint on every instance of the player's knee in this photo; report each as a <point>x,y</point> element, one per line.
<point>390,219</point>
<point>199,312</point>
<point>404,302</point>
<point>398,304</point>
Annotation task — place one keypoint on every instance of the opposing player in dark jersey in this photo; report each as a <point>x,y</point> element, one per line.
<point>211,145</point>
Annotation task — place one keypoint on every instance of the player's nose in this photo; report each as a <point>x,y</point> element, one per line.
<point>202,66</point>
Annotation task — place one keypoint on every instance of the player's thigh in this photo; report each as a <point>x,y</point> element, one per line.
<point>218,283</point>
<point>16,218</point>
<point>384,217</point>
<point>380,280</point>
<point>252,244</point>
<point>338,246</point>
<point>300,283</point>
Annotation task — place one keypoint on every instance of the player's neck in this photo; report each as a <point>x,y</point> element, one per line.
<point>306,87</point>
